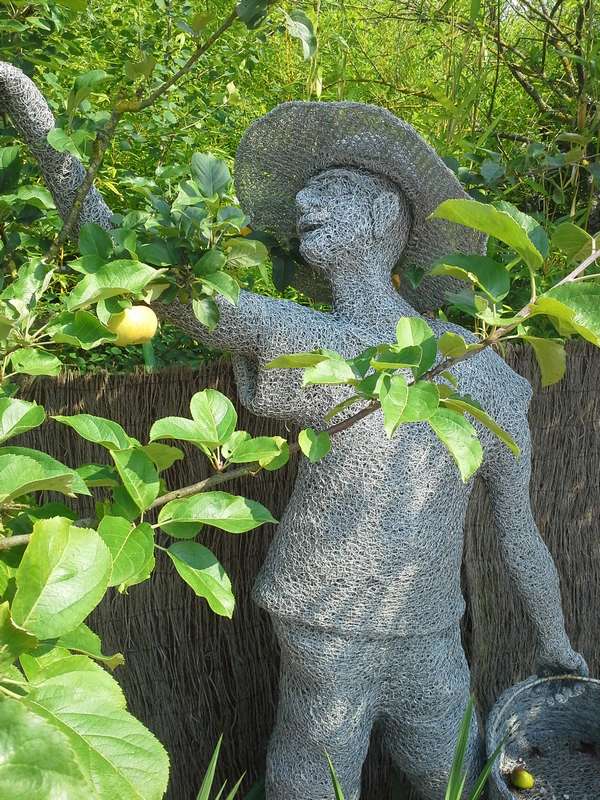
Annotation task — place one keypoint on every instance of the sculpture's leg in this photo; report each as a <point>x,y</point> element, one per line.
<point>328,693</point>
<point>428,694</point>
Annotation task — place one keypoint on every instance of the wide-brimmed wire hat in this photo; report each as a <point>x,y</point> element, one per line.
<point>295,141</point>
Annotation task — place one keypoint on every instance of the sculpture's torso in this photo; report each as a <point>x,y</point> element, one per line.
<point>371,540</point>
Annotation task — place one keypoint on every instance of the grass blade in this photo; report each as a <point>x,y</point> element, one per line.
<point>456,778</point>
<point>339,795</point>
<point>209,776</point>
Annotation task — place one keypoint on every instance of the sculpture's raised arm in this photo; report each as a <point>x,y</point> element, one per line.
<point>256,330</point>
<point>63,173</point>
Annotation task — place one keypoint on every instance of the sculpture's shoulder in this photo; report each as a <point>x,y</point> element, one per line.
<point>487,377</point>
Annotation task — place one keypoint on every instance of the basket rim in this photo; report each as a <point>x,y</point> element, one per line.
<point>506,698</point>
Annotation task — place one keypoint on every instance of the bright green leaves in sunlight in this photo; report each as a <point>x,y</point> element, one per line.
<point>30,361</point>
<point>460,438</point>
<point>84,641</point>
<point>101,431</point>
<point>488,275</point>
<point>215,416</point>
<point>23,470</point>
<point>81,329</point>
<point>550,356</point>
<point>63,575</point>
<point>213,420</point>
<point>573,307</point>
<point>18,416</point>
<point>466,405</point>
<point>38,761</point>
<point>315,445</point>
<point>14,640</point>
<point>220,509</point>
<point>393,393</point>
<point>494,222</point>
<point>415,332</point>
<point>85,703</point>
<point>116,278</point>
<point>211,174</point>
<point>139,475</point>
<point>200,569</point>
<point>131,548</point>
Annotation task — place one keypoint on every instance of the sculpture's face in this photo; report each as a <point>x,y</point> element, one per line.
<point>345,216</point>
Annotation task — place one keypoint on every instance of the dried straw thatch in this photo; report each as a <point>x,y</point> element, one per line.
<point>191,675</point>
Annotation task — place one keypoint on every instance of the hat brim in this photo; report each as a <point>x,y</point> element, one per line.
<point>283,150</point>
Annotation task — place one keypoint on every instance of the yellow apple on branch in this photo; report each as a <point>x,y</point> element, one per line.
<point>135,325</point>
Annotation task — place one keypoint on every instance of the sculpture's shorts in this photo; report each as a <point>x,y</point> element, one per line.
<point>334,688</point>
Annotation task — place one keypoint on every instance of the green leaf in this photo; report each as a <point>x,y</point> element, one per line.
<point>464,406</point>
<point>96,475</point>
<point>209,775</point>
<point>296,361</point>
<point>131,548</point>
<point>200,569</point>
<point>115,278</point>
<point>162,455</point>
<point>537,235</point>
<point>421,403</point>
<point>577,304</point>
<point>460,437</point>
<point>484,272</point>
<point>415,332</point>
<point>215,416</point>
<point>212,261</point>
<point>300,26</point>
<point>84,641</point>
<point>475,10</point>
<point>572,240</point>
<point>177,428</point>
<point>331,370</point>
<point>14,640</point>
<point>23,471</point>
<point>38,762</point>
<point>30,361</point>
<point>63,575</point>
<point>81,329</point>
<point>62,142</point>
<point>206,312</point>
<point>94,241</point>
<point>211,174</point>
<point>276,462</point>
<point>101,431</point>
<point>10,168</point>
<point>243,253</point>
<point>551,358</point>
<point>18,416</point>
<point>224,284</point>
<point>393,357</point>
<point>139,475</point>
<point>223,510</point>
<point>451,345</point>
<point>315,445</point>
<point>252,12</point>
<point>118,757</point>
<point>393,393</point>
<point>255,449</point>
<point>499,224</point>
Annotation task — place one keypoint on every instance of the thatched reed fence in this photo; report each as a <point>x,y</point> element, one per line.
<point>191,675</point>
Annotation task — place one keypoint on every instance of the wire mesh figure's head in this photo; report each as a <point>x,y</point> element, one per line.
<point>349,220</point>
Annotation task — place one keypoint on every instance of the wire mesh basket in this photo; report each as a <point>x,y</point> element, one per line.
<point>552,730</point>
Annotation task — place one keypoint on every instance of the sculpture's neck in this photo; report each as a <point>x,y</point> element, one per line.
<point>368,298</point>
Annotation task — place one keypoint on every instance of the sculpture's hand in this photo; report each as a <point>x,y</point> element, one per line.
<point>560,659</point>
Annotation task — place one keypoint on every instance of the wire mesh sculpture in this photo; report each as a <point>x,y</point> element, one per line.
<point>362,580</point>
